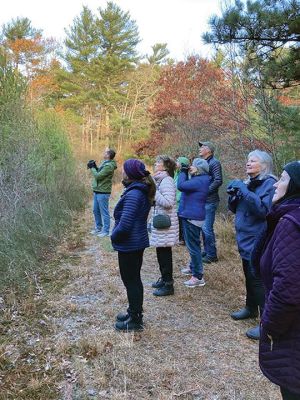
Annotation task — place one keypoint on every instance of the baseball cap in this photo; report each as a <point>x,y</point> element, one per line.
<point>208,144</point>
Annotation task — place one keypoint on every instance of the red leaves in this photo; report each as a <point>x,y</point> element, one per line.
<point>197,94</point>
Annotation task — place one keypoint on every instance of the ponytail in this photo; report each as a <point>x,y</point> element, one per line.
<point>152,187</point>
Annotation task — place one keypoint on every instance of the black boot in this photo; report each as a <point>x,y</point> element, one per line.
<point>158,284</point>
<point>253,333</point>
<point>122,317</point>
<point>133,323</point>
<point>245,313</point>
<point>166,290</point>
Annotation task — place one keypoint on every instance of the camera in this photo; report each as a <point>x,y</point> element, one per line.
<point>91,164</point>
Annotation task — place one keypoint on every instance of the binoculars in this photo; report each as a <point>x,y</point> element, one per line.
<point>91,164</point>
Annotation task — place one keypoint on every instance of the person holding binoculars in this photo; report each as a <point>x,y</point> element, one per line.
<point>250,201</point>
<point>193,182</point>
<point>101,185</point>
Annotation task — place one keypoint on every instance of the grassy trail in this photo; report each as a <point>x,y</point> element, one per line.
<point>63,345</point>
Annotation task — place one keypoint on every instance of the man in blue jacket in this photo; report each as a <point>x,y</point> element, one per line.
<point>215,171</point>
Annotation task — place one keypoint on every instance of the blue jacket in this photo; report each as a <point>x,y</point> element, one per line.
<point>130,214</point>
<point>251,209</point>
<point>194,195</point>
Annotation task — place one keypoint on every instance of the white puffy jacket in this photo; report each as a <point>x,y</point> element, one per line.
<point>165,200</point>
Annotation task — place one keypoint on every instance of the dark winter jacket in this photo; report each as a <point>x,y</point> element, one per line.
<point>131,213</point>
<point>279,352</point>
<point>215,171</point>
<point>251,209</point>
<point>102,177</point>
<point>194,195</point>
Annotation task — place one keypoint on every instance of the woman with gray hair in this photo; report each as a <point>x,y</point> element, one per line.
<point>250,201</point>
<point>191,211</point>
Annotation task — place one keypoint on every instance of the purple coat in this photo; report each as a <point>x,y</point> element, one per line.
<point>279,351</point>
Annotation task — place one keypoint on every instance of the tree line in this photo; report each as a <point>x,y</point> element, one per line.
<point>93,90</point>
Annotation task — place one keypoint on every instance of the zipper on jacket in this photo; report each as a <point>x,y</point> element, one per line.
<point>272,342</point>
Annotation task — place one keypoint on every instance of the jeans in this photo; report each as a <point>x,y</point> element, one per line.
<point>191,235</point>
<point>208,230</point>
<point>255,294</point>
<point>101,212</point>
<point>287,395</point>
<point>164,258</point>
<point>130,265</point>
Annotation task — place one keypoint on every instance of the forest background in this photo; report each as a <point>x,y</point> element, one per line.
<point>61,105</point>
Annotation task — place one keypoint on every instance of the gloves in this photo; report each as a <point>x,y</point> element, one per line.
<point>237,185</point>
<point>91,164</point>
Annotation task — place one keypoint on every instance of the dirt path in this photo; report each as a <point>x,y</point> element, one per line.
<point>190,349</point>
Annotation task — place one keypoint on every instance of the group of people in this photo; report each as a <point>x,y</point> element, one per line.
<point>183,197</point>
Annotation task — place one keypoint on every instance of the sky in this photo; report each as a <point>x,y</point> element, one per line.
<point>179,23</point>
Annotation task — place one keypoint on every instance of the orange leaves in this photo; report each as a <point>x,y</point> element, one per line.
<point>26,50</point>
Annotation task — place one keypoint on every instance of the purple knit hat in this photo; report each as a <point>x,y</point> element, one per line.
<point>134,169</point>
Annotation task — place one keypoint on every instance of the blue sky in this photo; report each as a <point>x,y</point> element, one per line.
<point>179,23</point>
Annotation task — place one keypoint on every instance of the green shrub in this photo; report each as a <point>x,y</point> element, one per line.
<point>39,185</point>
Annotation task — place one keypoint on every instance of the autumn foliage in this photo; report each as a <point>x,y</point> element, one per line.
<point>196,98</point>
<point>200,94</point>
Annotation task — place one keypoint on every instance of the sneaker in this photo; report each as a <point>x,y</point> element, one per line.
<point>95,232</point>
<point>103,234</point>
<point>193,282</point>
<point>186,271</point>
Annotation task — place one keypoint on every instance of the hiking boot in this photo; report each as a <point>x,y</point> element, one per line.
<point>244,313</point>
<point>208,260</point>
<point>253,333</point>
<point>133,323</point>
<point>193,282</point>
<point>166,290</point>
<point>158,284</point>
<point>122,317</point>
<point>186,271</point>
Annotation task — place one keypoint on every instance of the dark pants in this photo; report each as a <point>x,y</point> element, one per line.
<point>130,269</point>
<point>181,236</point>
<point>287,395</point>
<point>255,294</point>
<point>164,258</point>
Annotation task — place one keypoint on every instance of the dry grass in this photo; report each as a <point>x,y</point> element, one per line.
<point>190,349</point>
